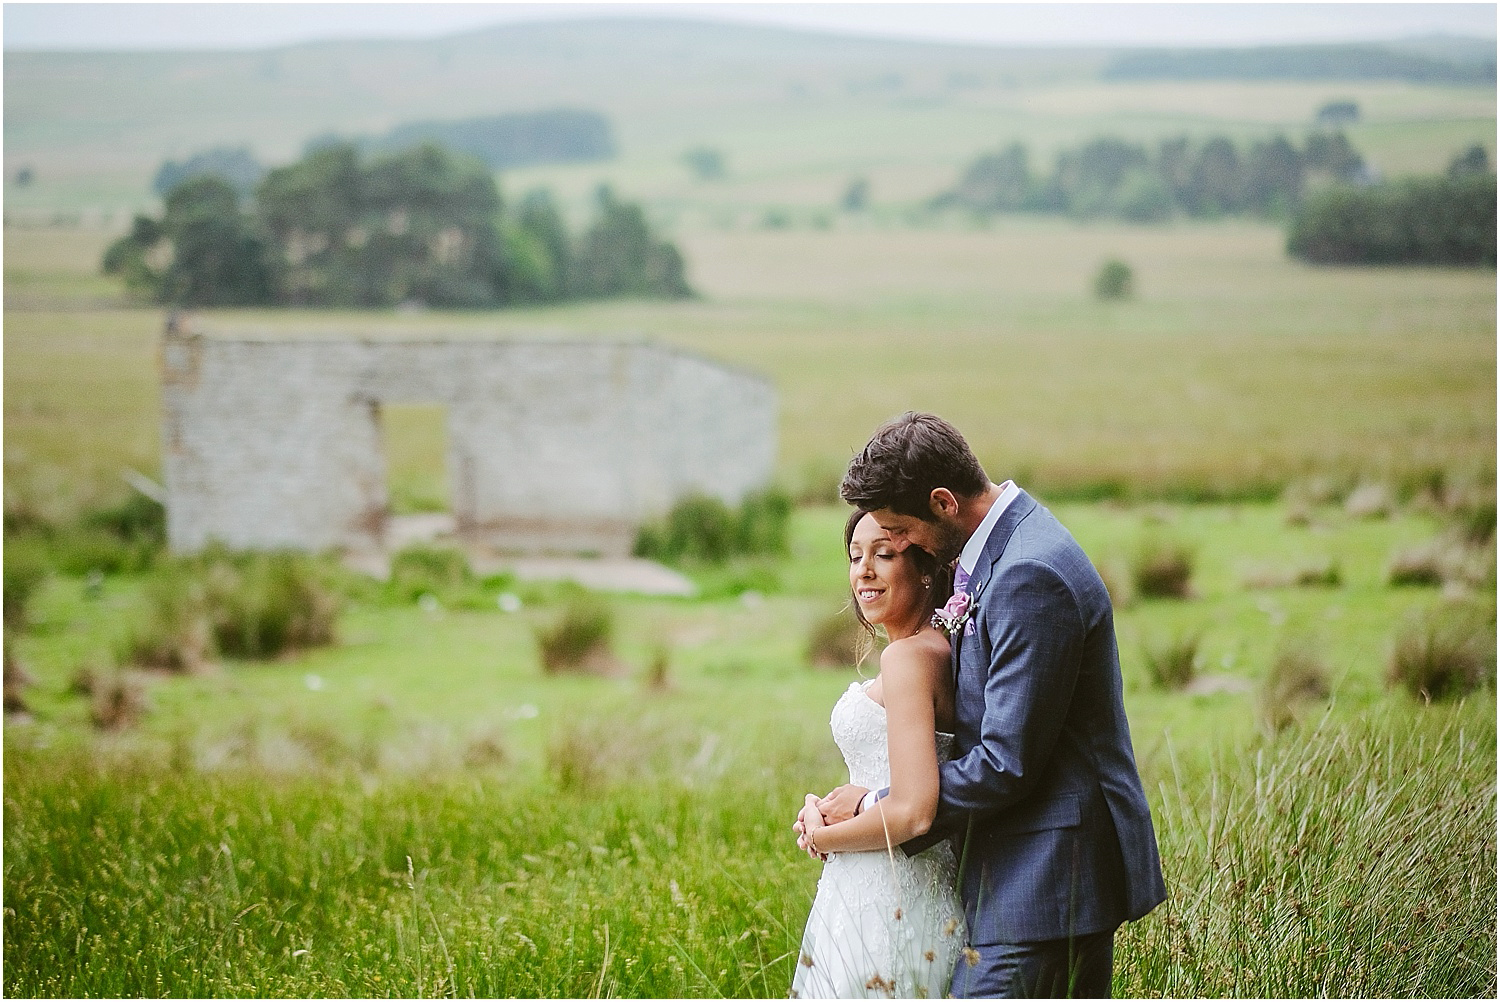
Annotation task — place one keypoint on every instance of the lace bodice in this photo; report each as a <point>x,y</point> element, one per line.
<point>858,724</point>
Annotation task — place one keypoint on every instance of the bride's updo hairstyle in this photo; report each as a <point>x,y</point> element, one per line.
<point>926,566</point>
<point>906,460</point>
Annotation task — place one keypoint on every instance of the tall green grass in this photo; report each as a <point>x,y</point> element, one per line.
<point>1339,859</point>
<point>1353,860</point>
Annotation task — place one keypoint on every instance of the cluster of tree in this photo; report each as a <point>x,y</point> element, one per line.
<point>237,165</point>
<point>1114,177</point>
<point>1299,62</point>
<point>1432,220</point>
<point>502,142</point>
<point>421,225</point>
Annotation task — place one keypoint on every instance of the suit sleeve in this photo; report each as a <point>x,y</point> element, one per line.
<point>1036,634</point>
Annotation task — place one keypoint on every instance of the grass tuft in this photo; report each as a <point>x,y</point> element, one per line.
<point>1317,573</point>
<point>1445,653</point>
<point>118,701</point>
<point>418,570</point>
<point>1162,569</point>
<point>1173,663</point>
<point>579,640</point>
<point>1474,515</point>
<point>244,605</point>
<point>1298,676</point>
<point>24,572</point>
<point>16,680</point>
<point>1421,567</point>
<point>1118,582</point>
<point>705,529</point>
<point>176,634</point>
<point>657,675</point>
<point>1114,280</point>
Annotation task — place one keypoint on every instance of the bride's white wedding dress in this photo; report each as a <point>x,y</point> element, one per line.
<point>883,925</point>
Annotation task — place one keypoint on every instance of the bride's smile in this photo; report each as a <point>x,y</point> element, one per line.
<point>889,587</point>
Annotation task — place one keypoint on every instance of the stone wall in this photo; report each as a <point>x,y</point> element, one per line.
<point>552,446</point>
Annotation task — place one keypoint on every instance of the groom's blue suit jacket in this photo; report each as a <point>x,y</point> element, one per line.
<point>1053,832</point>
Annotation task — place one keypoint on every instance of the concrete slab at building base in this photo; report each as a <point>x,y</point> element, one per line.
<point>617,574</point>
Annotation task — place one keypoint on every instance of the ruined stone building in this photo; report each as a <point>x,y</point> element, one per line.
<point>553,446</point>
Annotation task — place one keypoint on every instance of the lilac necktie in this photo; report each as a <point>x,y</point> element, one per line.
<point>960,578</point>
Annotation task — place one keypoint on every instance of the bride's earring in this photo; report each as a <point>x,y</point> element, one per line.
<point>927,582</point>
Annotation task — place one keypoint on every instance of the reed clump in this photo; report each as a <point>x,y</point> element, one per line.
<point>1298,676</point>
<point>1444,653</point>
<point>255,605</point>
<point>440,571</point>
<point>1163,569</point>
<point>580,639</point>
<point>703,529</point>
<point>1172,663</point>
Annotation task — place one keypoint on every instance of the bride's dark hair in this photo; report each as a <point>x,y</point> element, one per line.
<point>927,566</point>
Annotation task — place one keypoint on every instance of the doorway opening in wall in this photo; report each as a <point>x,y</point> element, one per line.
<point>415,438</point>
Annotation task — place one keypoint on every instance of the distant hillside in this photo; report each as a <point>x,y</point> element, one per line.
<point>170,104</point>
<point>1302,62</point>
<point>794,115</point>
<point>503,142</point>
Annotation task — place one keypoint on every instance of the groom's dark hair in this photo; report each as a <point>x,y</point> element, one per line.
<point>906,460</point>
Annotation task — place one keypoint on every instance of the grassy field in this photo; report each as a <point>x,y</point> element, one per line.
<point>267,810</point>
<point>420,810</point>
<point>1278,370</point>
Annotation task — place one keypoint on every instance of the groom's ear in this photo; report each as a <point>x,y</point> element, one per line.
<point>943,502</point>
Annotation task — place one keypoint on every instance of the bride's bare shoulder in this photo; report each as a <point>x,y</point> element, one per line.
<point>921,652</point>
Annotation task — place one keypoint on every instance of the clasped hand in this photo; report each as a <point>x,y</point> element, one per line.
<point>841,804</point>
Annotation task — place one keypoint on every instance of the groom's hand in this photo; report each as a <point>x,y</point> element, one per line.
<point>842,804</point>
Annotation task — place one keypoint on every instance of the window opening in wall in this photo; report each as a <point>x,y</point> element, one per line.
<point>415,438</point>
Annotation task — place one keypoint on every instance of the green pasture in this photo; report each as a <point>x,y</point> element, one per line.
<point>419,810</point>
<point>470,672</point>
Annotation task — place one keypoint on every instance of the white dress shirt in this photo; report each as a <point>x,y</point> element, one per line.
<point>969,557</point>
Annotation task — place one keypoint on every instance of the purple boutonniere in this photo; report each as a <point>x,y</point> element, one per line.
<point>953,615</point>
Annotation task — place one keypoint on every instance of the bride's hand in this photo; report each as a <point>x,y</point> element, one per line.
<point>809,820</point>
<point>841,804</point>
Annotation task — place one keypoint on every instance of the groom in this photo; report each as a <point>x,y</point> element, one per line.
<point>1055,841</point>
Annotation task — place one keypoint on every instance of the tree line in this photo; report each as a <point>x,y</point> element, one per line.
<point>1448,219</point>
<point>423,224</point>
<point>1112,177</point>
<point>1301,62</point>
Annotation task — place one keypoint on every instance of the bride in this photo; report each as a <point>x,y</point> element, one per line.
<point>884,924</point>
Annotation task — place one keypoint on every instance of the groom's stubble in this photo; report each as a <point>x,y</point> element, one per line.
<point>943,537</point>
<point>951,538</point>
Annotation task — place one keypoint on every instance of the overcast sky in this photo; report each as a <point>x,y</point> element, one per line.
<point>219,26</point>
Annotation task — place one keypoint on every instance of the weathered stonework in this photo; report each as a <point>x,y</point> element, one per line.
<point>561,447</point>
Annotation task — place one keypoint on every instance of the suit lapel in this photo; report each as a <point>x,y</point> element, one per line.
<point>994,547</point>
